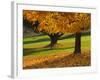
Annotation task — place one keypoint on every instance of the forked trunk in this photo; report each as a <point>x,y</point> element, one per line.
<point>54,39</point>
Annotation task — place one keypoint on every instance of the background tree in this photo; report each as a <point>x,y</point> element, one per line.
<point>77,22</point>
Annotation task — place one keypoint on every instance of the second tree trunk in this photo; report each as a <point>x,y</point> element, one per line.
<point>77,43</point>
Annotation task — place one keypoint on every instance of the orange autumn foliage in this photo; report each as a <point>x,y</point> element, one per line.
<point>59,22</point>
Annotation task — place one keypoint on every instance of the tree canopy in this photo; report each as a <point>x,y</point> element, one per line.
<point>54,24</point>
<point>58,22</point>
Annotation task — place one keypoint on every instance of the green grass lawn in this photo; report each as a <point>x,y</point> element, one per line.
<point>34,46</point>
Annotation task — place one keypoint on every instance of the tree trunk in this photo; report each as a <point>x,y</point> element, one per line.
<point>77,43</point>
<point>53,39</point>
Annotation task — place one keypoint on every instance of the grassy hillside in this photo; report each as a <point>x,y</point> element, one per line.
<point>35,45</point>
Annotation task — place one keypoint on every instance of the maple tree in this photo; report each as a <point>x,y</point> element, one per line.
<point>44,22</point>
<point>67,23</point>
<point>77,23</point>
<point>55,24</point>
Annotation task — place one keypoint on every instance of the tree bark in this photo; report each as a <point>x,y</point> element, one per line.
<point>77,43</point>
<point>54,39</point>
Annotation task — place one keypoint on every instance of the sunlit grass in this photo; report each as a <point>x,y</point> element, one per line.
<point>34,45</point>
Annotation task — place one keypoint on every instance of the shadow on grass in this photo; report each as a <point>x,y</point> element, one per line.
<point>35,41</point>
<point>60,38</point>
<point>33,51</point>
<point>30,51</point>
<point>73,35</point>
